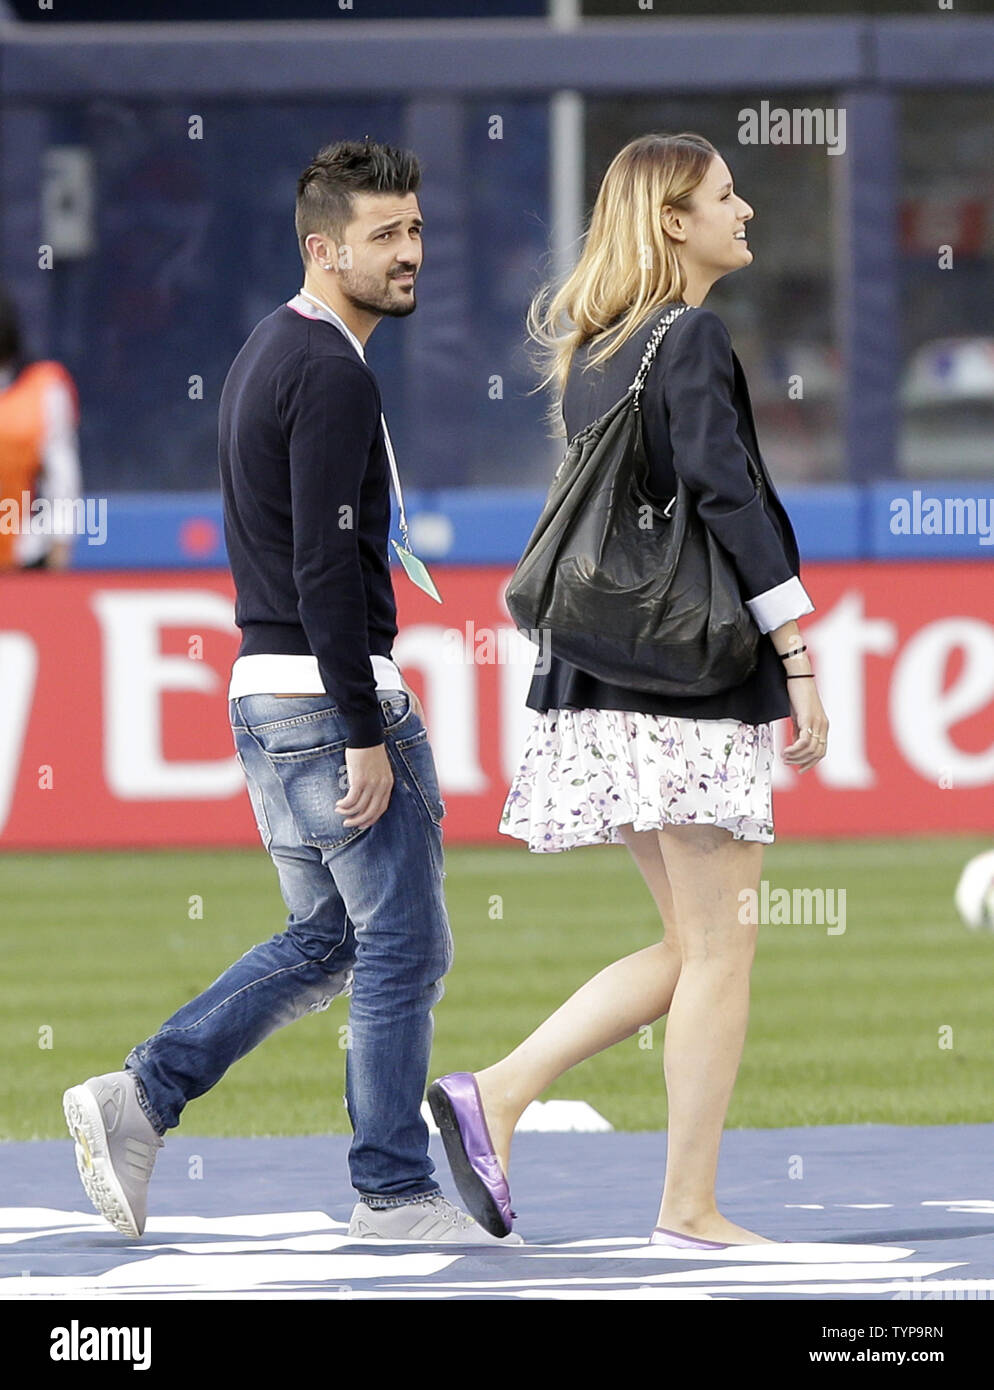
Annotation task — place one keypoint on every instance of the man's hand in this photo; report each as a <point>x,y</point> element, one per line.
<point>370,785</point>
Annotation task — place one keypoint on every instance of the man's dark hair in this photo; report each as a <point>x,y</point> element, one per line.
<point>326,189</point>
<point>10,331</point>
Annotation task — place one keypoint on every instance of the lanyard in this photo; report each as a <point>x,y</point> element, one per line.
<point>414,568</point>
<point>327,313</point>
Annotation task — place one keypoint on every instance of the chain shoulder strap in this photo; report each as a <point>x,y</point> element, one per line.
<point>656,337</point>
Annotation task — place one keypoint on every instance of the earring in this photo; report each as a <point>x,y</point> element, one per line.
<point>327,267</point>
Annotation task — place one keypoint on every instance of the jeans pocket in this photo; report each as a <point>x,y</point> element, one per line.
<point>395,709</point>
<point>313,780</point>
<point>417,757</point>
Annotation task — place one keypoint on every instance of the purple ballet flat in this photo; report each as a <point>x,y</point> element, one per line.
<point>661,1236</point>
<point>455,1103</point>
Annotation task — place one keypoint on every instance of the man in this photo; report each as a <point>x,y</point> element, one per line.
<point>340,773</point>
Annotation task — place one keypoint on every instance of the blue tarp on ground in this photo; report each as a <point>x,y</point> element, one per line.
<point>872,1212</point>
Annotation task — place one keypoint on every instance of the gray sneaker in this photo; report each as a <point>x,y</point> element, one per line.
<point>431,1219</point>
<point>116,1147</point>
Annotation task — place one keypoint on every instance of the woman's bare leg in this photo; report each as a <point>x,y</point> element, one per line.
<point>705,1030</point>
<point>609,1007</point>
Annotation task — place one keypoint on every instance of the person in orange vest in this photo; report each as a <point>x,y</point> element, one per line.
<point>39,453</point>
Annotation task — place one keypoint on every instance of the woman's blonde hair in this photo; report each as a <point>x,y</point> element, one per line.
<point>628,265</point>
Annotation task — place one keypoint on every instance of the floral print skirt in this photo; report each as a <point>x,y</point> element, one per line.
<point>584,772</point>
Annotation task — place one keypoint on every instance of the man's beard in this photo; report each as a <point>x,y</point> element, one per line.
<point>363,292</point>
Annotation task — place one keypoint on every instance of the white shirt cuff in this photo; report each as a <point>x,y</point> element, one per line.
<point>780,604</point>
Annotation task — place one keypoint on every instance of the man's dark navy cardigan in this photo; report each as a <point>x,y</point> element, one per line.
<point>306,488</point>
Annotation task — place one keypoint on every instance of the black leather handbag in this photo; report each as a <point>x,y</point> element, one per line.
<point>641,597</point>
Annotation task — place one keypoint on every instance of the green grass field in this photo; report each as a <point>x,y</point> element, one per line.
<point>98,949</point>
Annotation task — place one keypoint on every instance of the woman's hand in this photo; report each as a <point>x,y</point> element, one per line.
<point>810,725</point>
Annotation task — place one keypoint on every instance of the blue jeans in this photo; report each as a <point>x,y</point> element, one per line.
<point>366,913</point>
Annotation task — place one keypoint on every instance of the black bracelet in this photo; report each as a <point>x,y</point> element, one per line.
<point>797,651</point>
<point>807,676</point>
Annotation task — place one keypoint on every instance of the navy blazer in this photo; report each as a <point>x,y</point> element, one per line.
<point>697,422</point>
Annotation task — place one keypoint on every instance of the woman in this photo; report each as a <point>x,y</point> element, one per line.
<point>684,782</point>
